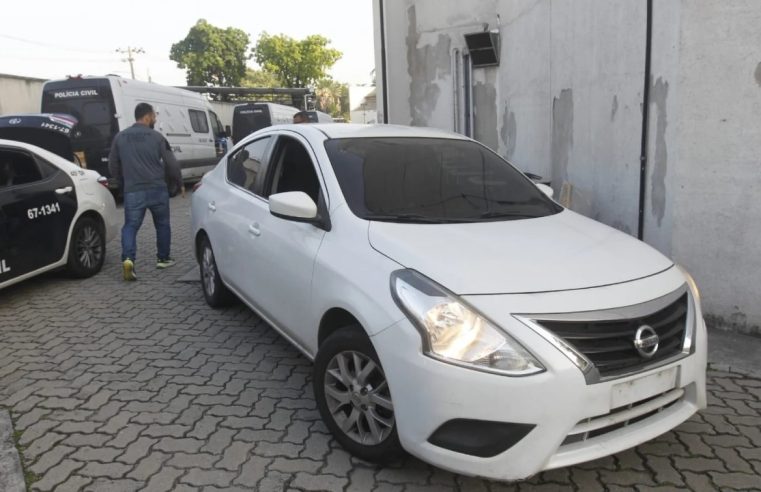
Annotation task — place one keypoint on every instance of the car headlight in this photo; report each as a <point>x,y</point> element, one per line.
<point>689,338</point>
<point>455,333</point>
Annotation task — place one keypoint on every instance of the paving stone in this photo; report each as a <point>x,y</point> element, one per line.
<point>235,455</point>
<point>112,470</point>
<point>308,481</point>
<point>103,455</point>
<point>148,466</point>
<point>218,441</point>
<point>273,482</point>
<point>75,483</point>
<point>253,471</point>
<point>50,459</point>
<point>57,475</point>
<point>172,445</point>
<point>205,427</point>
<point>137,450</point>
<point>164,480</point>
<point>43,444</point>
<point>199,477</point>
<point>195,460</point>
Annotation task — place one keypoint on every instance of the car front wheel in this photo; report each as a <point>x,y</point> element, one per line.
<point>87,249</point>
<point>354,398</point>
<point>214,291</point>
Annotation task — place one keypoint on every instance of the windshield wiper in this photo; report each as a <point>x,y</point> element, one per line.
<point>408,218</point>
<point>500,215</point>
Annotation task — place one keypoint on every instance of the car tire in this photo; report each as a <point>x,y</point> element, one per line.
<point>214,291</point>
<point>87,249</point>
<point>353,397</point>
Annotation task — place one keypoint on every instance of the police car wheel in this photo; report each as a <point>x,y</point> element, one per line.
<point>87,249</point>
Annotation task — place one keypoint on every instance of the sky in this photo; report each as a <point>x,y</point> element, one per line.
<point>46,39</point>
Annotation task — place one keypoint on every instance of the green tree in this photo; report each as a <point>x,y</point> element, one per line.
<point>212,56</point>
<point>259,78</point>
<point>332,97</point>
<point>296,63</point>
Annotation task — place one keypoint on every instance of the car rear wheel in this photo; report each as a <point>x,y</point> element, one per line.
<point>214,291</point>
<point>87,249</point>
<point>354,398</point>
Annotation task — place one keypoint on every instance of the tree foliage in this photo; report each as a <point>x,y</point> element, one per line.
<point>296,63</point>
<point>259,78</point>
<point>212,56</point>
<point>332,97</point>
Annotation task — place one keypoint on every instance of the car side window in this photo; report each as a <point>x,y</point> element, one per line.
<point>245,166</point>
<point>293,170</point>
<point>198,121</point>
<point>17,168</point>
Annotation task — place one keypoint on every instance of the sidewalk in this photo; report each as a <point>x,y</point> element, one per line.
<point>734,352</point>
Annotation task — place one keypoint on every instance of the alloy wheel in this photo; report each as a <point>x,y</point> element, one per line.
<point>208,271</point>
<point>89,249</point>
<point>358,397</point>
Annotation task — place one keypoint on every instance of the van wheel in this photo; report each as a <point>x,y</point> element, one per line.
<point>214,291</point>
<point>87,249</point>
<point>353,396</point>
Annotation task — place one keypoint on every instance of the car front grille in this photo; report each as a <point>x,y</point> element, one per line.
<point>609,343</point>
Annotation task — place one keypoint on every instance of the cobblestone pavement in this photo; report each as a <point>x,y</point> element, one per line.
<point>115,386</point>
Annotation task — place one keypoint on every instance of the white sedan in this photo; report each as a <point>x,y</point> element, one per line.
<point>451,307</point>
<point>53,214</point>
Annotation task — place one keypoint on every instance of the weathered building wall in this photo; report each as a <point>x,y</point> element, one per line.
<point>566,103</point>
<point>20,94</point>
<point>716,159</point>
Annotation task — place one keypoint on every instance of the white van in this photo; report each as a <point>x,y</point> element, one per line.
<point>248,118</point>
<point>104,106</point>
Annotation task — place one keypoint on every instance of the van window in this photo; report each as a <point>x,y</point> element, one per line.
<point>198,121</point>
<point>216,126</point>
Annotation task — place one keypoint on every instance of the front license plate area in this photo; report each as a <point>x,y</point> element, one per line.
<point>642,388</point>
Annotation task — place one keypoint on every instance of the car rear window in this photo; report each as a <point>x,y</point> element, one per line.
<point>403,179</point>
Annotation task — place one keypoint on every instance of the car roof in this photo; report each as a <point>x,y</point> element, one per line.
<point>352,130</point>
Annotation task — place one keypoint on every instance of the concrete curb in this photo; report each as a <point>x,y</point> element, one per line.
<point>11,473</point>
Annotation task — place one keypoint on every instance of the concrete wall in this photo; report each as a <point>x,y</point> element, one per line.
<point>566,103</point>
<point>20,94</point>
<point>708,95</point>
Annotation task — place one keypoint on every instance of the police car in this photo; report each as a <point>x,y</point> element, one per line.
<point>53,213</point>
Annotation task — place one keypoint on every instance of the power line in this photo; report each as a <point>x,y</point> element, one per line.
<point>48,45</point>
<point>130,52</point>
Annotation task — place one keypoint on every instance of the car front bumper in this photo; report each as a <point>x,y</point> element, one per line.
<point>621,413</point>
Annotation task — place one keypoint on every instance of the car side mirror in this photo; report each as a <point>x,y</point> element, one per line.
<point>293,205</point>
<point>547,190</point>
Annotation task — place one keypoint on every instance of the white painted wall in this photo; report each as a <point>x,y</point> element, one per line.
<point>20,94</point>
<point>566,103</point>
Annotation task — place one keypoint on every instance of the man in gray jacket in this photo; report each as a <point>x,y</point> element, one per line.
<point>144,164</point>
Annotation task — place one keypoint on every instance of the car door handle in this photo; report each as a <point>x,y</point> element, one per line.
<point>212,207</point>
<point>63,191</point>
<point>254,230</point>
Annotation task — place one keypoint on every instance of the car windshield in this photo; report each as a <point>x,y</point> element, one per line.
<point>432,180</point>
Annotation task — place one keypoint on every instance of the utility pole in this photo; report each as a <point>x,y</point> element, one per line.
<point>130,52</point>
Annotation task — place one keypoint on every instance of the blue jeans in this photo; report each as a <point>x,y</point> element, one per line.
<point>135,204</point>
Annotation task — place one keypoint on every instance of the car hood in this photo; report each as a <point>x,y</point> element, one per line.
<point>560,252</point>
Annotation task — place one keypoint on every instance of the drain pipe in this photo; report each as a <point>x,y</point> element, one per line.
<point>384,83</point>
<point>645,122</point>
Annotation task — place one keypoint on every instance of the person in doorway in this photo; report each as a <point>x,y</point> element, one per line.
<point>143,162</point>
<point>301,117</point>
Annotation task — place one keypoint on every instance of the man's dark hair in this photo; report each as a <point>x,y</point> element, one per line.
<point>141,110</point>
<point>301,116</point>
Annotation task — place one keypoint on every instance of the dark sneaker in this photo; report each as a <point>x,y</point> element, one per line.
<point>128,270</point>
<point>165,263</point>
